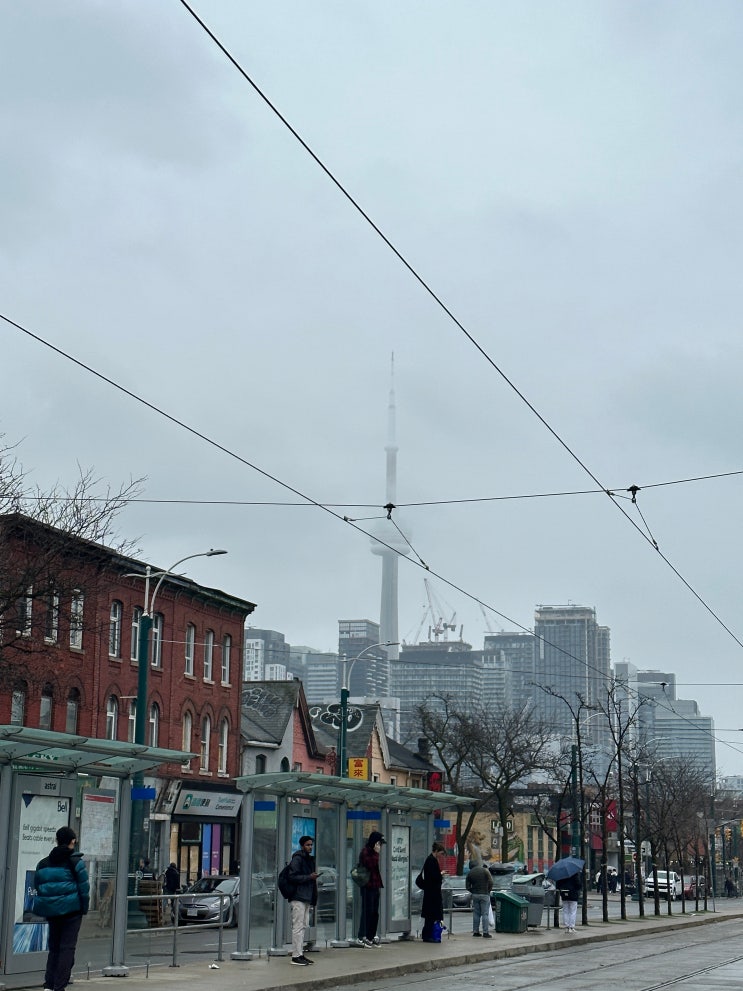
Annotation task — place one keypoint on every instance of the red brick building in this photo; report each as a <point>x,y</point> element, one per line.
<point>70,611</point>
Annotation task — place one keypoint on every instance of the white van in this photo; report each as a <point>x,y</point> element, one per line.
<point>666,879</point>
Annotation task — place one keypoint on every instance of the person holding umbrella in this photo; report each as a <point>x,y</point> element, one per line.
<point>567,875</point>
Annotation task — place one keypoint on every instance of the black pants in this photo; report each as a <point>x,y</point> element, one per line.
<point>369,913</point>
<point>427,930</point>
<point>63,933</point>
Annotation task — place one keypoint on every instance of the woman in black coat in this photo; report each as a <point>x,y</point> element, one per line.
<point>432,909</point>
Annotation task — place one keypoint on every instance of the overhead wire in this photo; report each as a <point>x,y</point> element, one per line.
<point>232,454</point>
<point>438,300</point>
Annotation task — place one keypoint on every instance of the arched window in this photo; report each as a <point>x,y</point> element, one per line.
<point>114,629</point>
<point>112,717</point>
<point>284,763</point>
<point>46,706</point>
<point>190,642</point>
<point>224,737</point>
<point>73,711</point>
<point>260,764</point>
<point>157,640</point>
<point>154,724</point>
<point>186,738</point>
<point>77,604</point>
<point>18,705</point>
<point>206,733</point>
<point>132,724</point>
<point>208,654</point>
<point>226,651</point>
<point>136,619</point>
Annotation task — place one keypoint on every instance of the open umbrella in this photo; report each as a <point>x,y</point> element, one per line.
<point>561,870</point>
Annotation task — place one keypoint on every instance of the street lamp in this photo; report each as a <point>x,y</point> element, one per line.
<point>140,720</point>
<point>347,669</point>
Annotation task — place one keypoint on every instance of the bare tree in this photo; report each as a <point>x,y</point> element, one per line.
<point>502,747</point>
<point>44,536</point>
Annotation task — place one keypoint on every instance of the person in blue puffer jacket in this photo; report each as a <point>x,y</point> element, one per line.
<point>63,898</point>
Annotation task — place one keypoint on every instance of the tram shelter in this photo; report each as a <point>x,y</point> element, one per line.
<point>339,813</point>
<point>48,780</point>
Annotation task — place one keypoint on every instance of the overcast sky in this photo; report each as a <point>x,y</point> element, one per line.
<point>567,177</point>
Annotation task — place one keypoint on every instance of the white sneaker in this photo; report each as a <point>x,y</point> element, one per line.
<point>358,942</point>
<point>368,942</point>
<point>377,941</point>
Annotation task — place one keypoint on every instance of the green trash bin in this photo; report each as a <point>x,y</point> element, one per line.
<point>511,913</point>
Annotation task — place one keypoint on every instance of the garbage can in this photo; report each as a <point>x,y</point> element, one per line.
<point>511,913</point>
<point>529,886</point>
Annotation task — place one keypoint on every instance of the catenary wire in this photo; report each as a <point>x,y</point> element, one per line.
<point>225,450</point>
<point>450,314</point>
<point>399,505</point>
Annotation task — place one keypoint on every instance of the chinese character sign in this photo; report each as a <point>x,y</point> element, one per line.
<point>358,767</point>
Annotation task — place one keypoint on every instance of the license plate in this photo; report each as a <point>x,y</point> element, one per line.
<point>192,913</point>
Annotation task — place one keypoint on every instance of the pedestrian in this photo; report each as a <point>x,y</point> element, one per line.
<point>569,892</point>
<point>171,884</point>
<point>432,908</point>
<point>370,893</point>
<point>63,898</point>
<point>303,876</point>
<point>479,881</point>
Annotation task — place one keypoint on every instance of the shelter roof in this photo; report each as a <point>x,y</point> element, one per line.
<point>44,750</point>
<point>367,794</point>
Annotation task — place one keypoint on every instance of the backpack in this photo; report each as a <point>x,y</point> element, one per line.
<point>287,887</point>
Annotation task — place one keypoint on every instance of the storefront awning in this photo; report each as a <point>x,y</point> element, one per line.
<point>43,750</point>
<point>356,794</point>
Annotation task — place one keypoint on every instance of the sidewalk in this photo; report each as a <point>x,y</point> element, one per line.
<point>354,966</point>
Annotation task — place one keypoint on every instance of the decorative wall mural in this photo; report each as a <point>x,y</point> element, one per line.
<point>330,715</point>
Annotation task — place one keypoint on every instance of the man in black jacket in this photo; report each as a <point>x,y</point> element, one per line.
<point>303,876</point>
<point>63,898</point>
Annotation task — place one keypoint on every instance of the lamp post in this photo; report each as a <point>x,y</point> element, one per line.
<point>140,716</point>
<point>347,669</point>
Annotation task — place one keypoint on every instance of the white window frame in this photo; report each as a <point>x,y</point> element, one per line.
<point>114,628</point>
<point>51,619</point>
<point>189,649</point>
<point>112,717</point>
<point>158,625</point>
<point>226,656</point>
<point>131,728</point>
<point>223,746</point>
<point>208,655</point>
<point>18,707</point>
<point>206,739</point>
<point>154,725</point>
<point>136,621</point>
<point>187,737</point>
<point>77,606</point>
<point>72,713</point>
<point>46,709</point>
<point>25,612</point>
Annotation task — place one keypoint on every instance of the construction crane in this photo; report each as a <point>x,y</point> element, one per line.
<point>440,628</point>
<point>488,627</point>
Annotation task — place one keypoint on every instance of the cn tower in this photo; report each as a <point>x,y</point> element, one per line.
<point>395,544</point>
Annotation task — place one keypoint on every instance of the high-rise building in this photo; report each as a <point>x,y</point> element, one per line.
<point>369,676</point>
<point>670,727</point>
<point>444,668</point>
<point>319,671</point>
<point>572,670</point>
<point>264,649</point>
<point>508,670</point>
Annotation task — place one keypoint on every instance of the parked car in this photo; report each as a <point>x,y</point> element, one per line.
<point>455,893</point>
<point>667,880</point>
<point>327,885</point>
<point>217,898</point>
<point>692,885</point>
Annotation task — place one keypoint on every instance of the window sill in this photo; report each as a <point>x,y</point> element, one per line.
<point>205,774</point>
<point>225,684</point>
<point>208,681</point>
<point>191,677</point>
